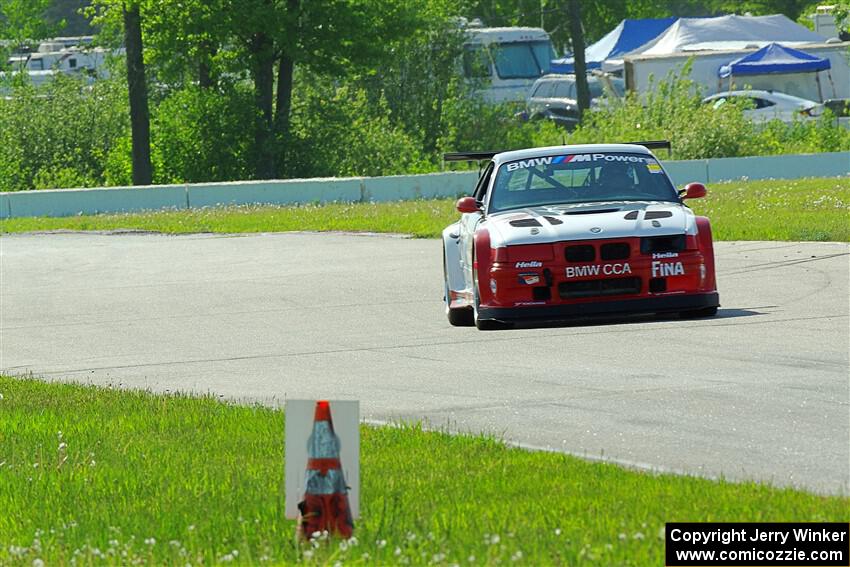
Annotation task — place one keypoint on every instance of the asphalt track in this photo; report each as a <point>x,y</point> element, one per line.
<point>762,391</point>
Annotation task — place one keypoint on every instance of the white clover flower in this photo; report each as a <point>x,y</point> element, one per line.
<point>438,557</point>
<point>638,535</point>
<point>37,562</point>
<point>35,465</point>
<point>226,558</point>
<point>308,553</point>
<point>411,536</point>
<point>352,541</point>
<point>59,434</point>
<point>343,545</point>
<point>191,527</point>
<point>174,543</point>
<point>365,556</point>
<point>557,531</point>
<point>381,543</point>
<point>622,537</point>
<point>397,551</point>
<point>150,541</point>
<point>92,463</point>
<point>63,446</point>
<point>471,559</point>
<point>1,395</point>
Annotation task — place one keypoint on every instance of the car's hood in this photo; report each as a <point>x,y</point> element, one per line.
<point>617,219</point>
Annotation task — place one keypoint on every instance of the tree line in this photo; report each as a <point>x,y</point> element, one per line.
<point>237,89</point>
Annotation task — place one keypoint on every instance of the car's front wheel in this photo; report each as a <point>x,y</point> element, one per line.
<point>458,317</point>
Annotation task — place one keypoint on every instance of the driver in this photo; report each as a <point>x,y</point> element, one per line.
<point>615,180</point>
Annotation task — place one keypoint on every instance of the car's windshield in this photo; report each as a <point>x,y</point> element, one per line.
<point>580,178</point>
<point>522,60</point>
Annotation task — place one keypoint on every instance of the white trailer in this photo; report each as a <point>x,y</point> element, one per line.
<point>642,70</point>
<point>504,62</point>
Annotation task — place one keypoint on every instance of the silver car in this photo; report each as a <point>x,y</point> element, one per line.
<point>554,97</point>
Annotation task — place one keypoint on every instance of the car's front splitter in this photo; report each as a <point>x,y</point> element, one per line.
<point>669,303</point>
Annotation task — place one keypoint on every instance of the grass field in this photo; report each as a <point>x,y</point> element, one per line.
<point>97,475</point>
<point>805,209</point>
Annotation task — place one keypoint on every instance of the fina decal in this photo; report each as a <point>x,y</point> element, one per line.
<point>657,255</point>
<point>529,279</point>
<point>531,264</point>
<point>604,269</point>
<point>574,158</point>
<point>664,269</point>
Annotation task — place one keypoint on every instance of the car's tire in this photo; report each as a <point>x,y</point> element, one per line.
<point>459,317</point>
<point>699,313</point>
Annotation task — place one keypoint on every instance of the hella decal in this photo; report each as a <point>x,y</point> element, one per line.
<point>604,269</point>
<point>531,264</point>
<point>664,269</point>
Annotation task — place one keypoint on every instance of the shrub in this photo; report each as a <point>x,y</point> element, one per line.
<point>337,132</point>
<point>60,134</point>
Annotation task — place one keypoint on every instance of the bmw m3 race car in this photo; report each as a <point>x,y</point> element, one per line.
<point>574,231</point>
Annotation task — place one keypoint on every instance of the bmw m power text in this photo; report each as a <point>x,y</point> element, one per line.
<point>574,231</point>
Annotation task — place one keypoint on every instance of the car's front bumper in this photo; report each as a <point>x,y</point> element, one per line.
<point>664,304</point>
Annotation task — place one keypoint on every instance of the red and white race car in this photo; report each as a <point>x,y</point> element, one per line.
<point>574,231</point>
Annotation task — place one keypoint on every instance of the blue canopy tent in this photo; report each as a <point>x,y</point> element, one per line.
<point>775,58</point>
<point>626,37</point>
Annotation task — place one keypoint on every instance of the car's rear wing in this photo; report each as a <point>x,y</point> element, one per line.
<point>480,156</point>
<point>469,156</point>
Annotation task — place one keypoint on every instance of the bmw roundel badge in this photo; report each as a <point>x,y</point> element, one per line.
<point>595,230</point>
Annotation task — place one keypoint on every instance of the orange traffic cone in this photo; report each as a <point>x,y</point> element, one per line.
<point>325,505</point>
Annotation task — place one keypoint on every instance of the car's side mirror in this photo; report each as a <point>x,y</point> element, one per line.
<point>693,191</point>
<point>468,205</point>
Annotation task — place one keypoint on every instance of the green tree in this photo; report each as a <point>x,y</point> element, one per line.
<point>22,21</point>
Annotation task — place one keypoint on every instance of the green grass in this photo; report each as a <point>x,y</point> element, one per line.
<point>804,209</point>
<point>169,479</point>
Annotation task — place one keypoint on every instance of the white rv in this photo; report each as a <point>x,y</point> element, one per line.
<point>506,61</point>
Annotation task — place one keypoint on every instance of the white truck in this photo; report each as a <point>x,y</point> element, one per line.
<point>504,62</point>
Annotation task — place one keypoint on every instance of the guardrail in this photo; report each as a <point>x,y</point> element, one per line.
<point>68,202</point>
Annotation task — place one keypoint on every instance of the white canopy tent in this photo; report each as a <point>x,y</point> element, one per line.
<point>728,32</point>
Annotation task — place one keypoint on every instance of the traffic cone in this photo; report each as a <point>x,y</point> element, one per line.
<point>325,505</point>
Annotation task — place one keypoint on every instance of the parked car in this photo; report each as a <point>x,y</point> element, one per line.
<point>554,97</point>
<point>574,231</point>
<point>763,106</point>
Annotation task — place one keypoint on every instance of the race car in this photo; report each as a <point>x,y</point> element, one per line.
<point>575,231</point>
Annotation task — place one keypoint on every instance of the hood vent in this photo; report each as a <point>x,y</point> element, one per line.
<point>591,212</point>
<point>553,220</point>
<point>525,222</point>
<point>657,215</point>
<point>631,216</point>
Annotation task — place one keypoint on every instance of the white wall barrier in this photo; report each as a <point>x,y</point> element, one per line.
<point>67,202</point>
